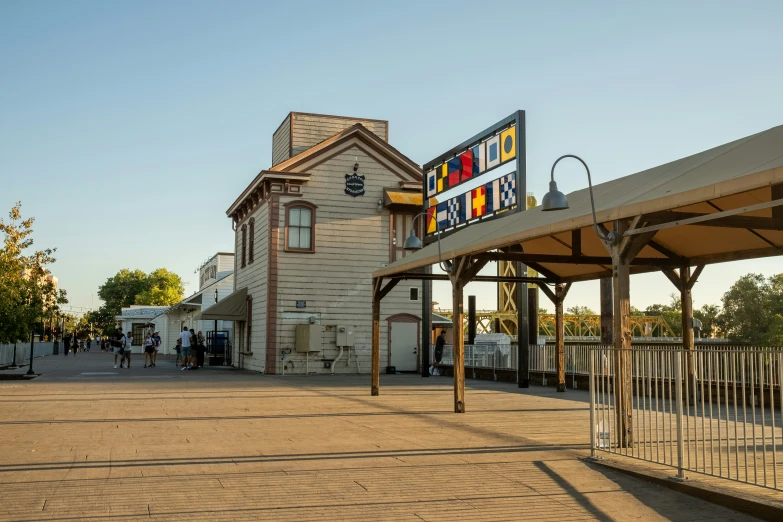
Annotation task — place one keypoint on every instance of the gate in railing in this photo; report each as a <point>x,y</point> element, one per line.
<point>715,411</point>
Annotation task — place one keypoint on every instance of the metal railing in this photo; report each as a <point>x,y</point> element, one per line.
<point>714,411</point>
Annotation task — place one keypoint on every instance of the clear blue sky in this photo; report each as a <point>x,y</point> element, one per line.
<point>127,128</point>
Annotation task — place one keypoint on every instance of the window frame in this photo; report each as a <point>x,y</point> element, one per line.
<point>244,245</point>
<point>252,241</point>
<point>312,208</point>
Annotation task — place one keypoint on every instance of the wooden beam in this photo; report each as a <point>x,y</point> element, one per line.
<point>576,242</point>
<point>570,260</point>
<point>548,292</point>
<point>621,326</point>
<point>543,271</point>
<point>686,304</point>
<point>606,311</point>
<point>376,338</point>
<point>472,271</point>
<point>481,279</point>
<point>695,276</point>
<point>748,222</point>
<point>560,293</point>
<point>388,288</point>
<point>736,256</point>
<point>777,212</point>
<point>665,251</point>
<point>458,342</point>
<point>705,218</point>
<point>673,276</point>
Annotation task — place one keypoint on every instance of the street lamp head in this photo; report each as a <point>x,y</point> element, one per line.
<point>413,242</point>
<point>554,199</point>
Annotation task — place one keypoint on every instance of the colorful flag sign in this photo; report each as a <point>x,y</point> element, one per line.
<point>479,159</point>
<point>452,211</point>
<point>466,160</point>
<point>465,207</point>
<point>493,152</point>
<point>454,167</point>
<point>508,146</point>
<point>432,183</point>
<point>508,190</point>
<point>442,215</point>
<point>431,220</point>
<point>493,196</point>
<point>479,200</point>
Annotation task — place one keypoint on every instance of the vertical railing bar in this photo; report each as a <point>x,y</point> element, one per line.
<point>669,354</point>
<point>696,438</point>
<point>678,401</point>
<point>635,371</point>
<point>771,382</point>
<point>753,413</point>
<point>687,404</point>
<point>780,390</point>
<point>591,390</point>
<point>743,365</point>
<point>717,402</point>
<point>642,416</point>
<point>709,392</point>
<point>763,420</point>
<point>703,415</point>
<point>726,409</point>
<point>736,415</point>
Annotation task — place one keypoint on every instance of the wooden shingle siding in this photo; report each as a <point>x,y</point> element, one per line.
<point>311,129</point>
<point>281,142</point>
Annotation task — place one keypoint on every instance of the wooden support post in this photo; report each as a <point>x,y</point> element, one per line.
<point>606,311</point>
<point>457,286</point>
<point>621,328</point>
<point>686,300</point>
<point>376,337</point>
<point>560,336</point>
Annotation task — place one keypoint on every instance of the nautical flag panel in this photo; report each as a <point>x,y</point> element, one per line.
<point>431,220</point>
<point>467,164</point>
<point>443,178</point>
<point>508,146</point>
<point>454,168</point>
<point>493,196</point>
<point>465,207</point>
<point>432,183</point>
<point>493,152</point>
<point>442,215</point>
<point>452,211</point>
<point>479,161</point>
<point>478,195</point>
<point>508,190</point>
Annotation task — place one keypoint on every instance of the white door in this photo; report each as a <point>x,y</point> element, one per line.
<point>404,346</point>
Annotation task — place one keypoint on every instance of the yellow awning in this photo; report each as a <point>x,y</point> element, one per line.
<point>402,197</point>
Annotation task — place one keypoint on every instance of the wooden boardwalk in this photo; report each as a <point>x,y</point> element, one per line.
<point>87,442</point>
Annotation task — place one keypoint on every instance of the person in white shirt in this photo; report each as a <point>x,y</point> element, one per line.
<point>186,346</point>
<point>126,354</point>
<point>118,345</point>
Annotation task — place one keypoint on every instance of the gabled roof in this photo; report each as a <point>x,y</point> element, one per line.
<point>354,131</point>
<point>290,168</point>
<point>678,197</point>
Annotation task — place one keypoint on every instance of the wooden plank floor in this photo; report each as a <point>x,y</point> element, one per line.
<point>219,444</point>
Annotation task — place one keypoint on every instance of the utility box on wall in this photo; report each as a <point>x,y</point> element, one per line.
<point>308,338</point>
<point>345,336</point>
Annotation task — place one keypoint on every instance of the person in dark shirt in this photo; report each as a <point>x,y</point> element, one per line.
<point>440,342</point>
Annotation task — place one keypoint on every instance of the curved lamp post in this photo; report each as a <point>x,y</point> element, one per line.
<point>556,200</point>
<point>414,243</point>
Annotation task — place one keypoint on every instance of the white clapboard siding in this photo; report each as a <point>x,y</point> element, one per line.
<point>254,278</point>
<point>352,240</point>
<point>281,141</point>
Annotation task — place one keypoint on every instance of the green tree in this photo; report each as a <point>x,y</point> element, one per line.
<point>746,315</point>
<point>129,287</point>
<point>163,288</point>
<point>708,315</point>
<point>27,292</point>
<point>581,311</point>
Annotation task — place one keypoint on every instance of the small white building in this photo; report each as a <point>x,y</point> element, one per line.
<point>216,281</point>
<point>136,319</point>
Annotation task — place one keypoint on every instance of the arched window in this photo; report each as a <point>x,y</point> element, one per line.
<point>252,239</point>
<point>244,245</point>
<point>300,227</point>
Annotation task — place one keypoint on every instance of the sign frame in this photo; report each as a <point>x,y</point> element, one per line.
<point>517,119</point>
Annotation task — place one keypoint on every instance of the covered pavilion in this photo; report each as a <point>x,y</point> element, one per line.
<point>723,204</point>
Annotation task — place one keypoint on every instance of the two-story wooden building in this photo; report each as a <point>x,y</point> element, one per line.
<point>335,205</point>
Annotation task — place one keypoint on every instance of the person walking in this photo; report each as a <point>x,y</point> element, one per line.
<point>185,341</point>
<point>440,342</point>
<point>117,344</point>
<point>148,349</point>
<point>89,342</point>
<point>201,348</point>
<point>193,350</point>
<point>155,344</point>
<point>178,349</point>
<point>126,352</point>
<point>75,345</point>
<point>66,344</point>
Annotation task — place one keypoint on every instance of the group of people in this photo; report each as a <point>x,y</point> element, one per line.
<point>190,349</point>
<point>121,346</point>
<point>73,345</point>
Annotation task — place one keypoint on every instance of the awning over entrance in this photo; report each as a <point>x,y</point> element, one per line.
<point>232,308</point>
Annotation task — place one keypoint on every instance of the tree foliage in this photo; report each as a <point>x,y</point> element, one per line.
<point>27,292</point>
<point>753,310</point>
<point>128,287</point>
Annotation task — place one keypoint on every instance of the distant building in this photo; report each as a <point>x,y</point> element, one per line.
<point>336,204</point>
